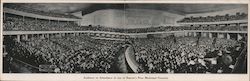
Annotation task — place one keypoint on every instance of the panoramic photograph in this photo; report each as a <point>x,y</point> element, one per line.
<point>149,38</point>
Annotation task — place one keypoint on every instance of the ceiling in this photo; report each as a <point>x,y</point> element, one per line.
<point>91,7</point>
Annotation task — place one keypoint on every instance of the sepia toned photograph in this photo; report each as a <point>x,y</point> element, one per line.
<point>143,38</point>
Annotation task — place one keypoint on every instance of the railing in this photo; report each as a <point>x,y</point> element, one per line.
<point>130,58</point>
<point>241,63</point>
<point>116,33</point>
<point>26,66</point>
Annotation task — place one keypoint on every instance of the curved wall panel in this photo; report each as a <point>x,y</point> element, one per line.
<point>130,18</point>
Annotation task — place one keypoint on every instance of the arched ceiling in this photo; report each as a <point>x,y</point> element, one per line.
<point>91,7</point>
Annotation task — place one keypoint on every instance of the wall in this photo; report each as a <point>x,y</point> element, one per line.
<point>101,17</point>
<point>230,12</point>
<point>130,18</point>
<point>149,18</point>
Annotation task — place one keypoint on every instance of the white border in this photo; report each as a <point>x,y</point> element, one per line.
<point>81,77</point>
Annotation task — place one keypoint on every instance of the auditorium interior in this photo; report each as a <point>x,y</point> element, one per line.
<point>124,38</point>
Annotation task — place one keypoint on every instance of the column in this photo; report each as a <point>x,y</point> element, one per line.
<point>195,34</point>
<point>218,35</point>
<point>186,34</point>
<point>239,37</point>
<point>47,36</point>
<point>18,38</point>
<point>210,35</point>
<point>228,36</point>
<point>74,34</point>
<point>26,37</point>
<point>32,37</point>
<point>191,34</point>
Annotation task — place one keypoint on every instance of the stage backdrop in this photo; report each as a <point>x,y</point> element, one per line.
<point>129,18</point>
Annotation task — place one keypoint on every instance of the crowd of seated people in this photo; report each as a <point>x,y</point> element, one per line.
<point>184,55</point>
<point>19,23</point>
<point>179,28</point>
<point>19,7</point>
<point>217,18</point>
<point>69,54</point>
<point>82,54</point>
<point>165,28</point>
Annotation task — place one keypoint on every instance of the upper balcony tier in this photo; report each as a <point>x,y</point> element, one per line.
<point>218,19</point>
<point>40,15</point>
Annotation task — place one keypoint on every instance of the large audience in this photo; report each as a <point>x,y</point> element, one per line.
<point>184,55</point>
<point>82,54</point>
<point>19,23</point>
<point>217,18</point>
<point>69,54</point>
